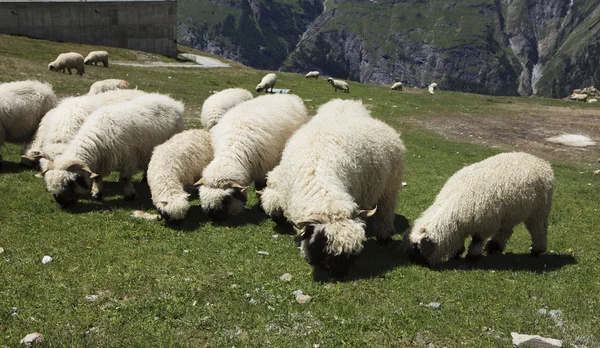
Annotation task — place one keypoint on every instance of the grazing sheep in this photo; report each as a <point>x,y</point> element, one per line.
<point>579,97</point>
<point>339,84</point>
<point>68,61</point>
<point>22,106</point>
<point>175,166</point>
<point>268,81</point>
<point>107,85</point>
<point>397,86</point>
<point>216,105</point>
<point>97,56</point>
<point>432,87</point>
<point>485,199</point>
<point>341,162</point>
<point>118,137</point>
<point>314,74</point>
<point>60,124</point>
<point>247,143</point>
<point>592,101</point>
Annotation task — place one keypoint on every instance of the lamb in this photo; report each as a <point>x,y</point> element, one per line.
<point>432,87</point>
<point>60,124</point>
<point>339,164</point>
<point>247,142</point>
<point>108,85</point>
<point>268,81</point>
<point>314,74</point>
<point>216,105</point>
<point>68,61</point>
<point>339,84</point>
<point>118,137</point>
<point>97,56</point>
<point>22,106</point>
<point>485,199</point>
<point>175,166</point>
<point>397,86</point>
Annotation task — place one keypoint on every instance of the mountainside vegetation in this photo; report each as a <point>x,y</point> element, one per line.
<point>504,47</point>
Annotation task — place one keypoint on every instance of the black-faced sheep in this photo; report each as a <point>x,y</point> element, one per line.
<point>339,84</point>
<point>95,57</point>
<point>268,81</point>
<point>397,86</point>
<point>68,61</point>
<point>247,144</point>
<point>313,74</point>
<point>216,105</point>
<point>483,200</point>
<point>340,164</point>
<point>118,137</point>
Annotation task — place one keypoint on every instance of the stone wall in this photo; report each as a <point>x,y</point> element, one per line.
<point>142,25</point>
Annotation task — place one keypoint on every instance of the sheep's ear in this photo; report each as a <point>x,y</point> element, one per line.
<point>310,220</point>
<point>427,247</point>
<point>233,184</point>
<point>367,213</point>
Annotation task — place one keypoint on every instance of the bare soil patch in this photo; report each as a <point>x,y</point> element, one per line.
<point>524,128</point>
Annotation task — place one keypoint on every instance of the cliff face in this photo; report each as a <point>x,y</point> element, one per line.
<point>507,47</point>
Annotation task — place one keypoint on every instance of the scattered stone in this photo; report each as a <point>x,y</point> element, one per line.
<point>435,305</point>
<point>143,215</point>
<point>534,341</point>
<point>14,310</point>
<point>404,184</point>
<point>275,236</point>
<point>297,292</point>
<point>286,277</point>
<point>186,251</point>
<point>253,301</point>
<point>91,330</point>
<point>46,259</point>
<point>302,299</point>
<point>596,172</point>
<point>1,250</point>
<point>555,313</point>
<point>230,274</point>
<point>542,311</point>
<point>32,339</point>
<point>91,298</point>
<point>195,303</point>
<point>263,253</point>
<point>576,140</point>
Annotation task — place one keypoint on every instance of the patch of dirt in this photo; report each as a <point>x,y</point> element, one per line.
<point>518,130</point>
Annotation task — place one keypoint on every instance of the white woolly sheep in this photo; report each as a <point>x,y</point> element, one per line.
<point>60,124</point>
<point>579,97</point>
<point>118,137</point>
<point>22,106</point>
<point>340,162</point>
<point>592,100</point>
<point>247,144</point>
<point>314,74</point>
<point>176,166</point>
<point>268,81</point>
<point>95,57</point>
<point>397,86</point>
<point>107,85</point>
<point>432,87</point>
<point>483,200</point>
<point>216,105</point>
<point>68,61</point>
<point>339,84</point>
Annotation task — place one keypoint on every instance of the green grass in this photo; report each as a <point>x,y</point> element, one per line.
<point>207,285</point>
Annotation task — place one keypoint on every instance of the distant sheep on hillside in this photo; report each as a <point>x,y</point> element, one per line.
<point>397,86</point>
<point>339,84</point>
<point>68,61</point>
<point>312,74</point>
<point>97,56</point>
<point>268,81</point>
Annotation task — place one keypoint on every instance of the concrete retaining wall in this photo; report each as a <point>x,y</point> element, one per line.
<point>143,25</point>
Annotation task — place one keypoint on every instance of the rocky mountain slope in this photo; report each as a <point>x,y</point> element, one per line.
<point>506,47</point>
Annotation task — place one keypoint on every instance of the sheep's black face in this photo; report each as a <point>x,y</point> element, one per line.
<point>421,252</point>
<point>314,248</point>
<point>415,255</point>
<point>224,202</point>
<point>67,197</point>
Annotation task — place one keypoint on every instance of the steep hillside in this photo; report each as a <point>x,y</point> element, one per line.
<point>258,33</point>
<point>504,47</point>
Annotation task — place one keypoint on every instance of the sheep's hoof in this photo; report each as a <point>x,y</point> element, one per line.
<point>97,197</point>
<point>130,197</point>
<point>383,241</point>
<point>536,253</point>
<point>458,254</point>
<point>493,247</point>
<point>473,258</point>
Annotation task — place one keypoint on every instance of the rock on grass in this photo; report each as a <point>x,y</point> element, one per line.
<point>32,339</point>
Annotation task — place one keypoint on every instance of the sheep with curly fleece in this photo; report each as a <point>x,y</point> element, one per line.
<point>268,81</point>
<point>341,163</point>
<point>216,105</point>
<point>313,74</point>
<point>107,85</point>
<point>247,143</point>
<point>397,86</point>
<point>483,200</point>
<point>118,137</point>
<point>174,168</point>
<point>432,87</point>
<point>23,104</point>
<point>339,84</point>
<point>95,57</point>
<point>60,124</point>
<point>68,61</point>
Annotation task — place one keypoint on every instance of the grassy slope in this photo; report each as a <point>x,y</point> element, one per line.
<point>154,291</point>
